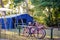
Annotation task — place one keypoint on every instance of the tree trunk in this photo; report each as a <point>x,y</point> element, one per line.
<point>56,17</point>
<point>50,17</point>
<point>26,1</point>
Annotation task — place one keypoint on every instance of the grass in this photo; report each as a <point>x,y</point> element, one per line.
<point>14,36</point>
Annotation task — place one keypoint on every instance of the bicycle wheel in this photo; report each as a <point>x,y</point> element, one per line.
<point>26,32</point>
<point>40,33</point>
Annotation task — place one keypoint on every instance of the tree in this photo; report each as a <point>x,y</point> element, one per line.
<point>54,4</point>
<point>16,2</point>
<point>4,12</point>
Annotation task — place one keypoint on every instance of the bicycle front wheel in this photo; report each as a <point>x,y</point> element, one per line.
<point>40,33</point>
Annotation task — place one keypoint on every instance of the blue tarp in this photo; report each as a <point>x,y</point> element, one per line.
<point>10,21</point>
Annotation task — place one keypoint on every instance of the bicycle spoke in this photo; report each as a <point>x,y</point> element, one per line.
<point>26,32</point>
<point>40,33</point>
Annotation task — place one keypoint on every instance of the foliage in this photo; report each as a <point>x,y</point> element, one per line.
<point>5,2</point>
<point>17,1</point>
<point>48,3</point>
<point>54,4</point>
<point>40,19</point>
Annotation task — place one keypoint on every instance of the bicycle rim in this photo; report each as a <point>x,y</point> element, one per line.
<point>40,34</point>
<point>26,32</point>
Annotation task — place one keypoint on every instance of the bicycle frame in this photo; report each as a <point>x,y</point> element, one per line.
<point>31,31</point>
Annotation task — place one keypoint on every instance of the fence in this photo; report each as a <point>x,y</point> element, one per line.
<point>13,34</point>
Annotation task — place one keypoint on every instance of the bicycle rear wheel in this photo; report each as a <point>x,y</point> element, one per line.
<point>40,33</point>
<point>26,32</point>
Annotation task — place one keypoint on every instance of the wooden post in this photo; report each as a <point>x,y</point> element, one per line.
<point>51,34</point>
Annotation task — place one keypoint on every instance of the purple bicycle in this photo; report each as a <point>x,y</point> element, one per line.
<point>34,32</point>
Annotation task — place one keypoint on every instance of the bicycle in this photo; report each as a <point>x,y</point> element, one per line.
<point>37,32</point>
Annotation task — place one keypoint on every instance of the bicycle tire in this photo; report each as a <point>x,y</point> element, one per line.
<point>26,32</point>
<point>40,34</point>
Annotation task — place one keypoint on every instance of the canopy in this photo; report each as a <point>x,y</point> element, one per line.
<point>11,20</point>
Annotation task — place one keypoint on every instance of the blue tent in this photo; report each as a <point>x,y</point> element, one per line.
<point>16,19</point>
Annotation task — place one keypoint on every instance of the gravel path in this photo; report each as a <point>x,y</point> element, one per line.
<point>3,39</point>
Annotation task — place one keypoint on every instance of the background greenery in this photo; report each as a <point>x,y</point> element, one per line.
<point>44,11</point>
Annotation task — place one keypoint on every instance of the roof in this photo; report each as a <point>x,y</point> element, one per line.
<point>5,9</point>
<point>13,15</point>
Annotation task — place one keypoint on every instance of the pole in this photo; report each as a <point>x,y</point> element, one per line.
<point>0,29</point>
<point>19,29</point>
<point>51,33</point>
